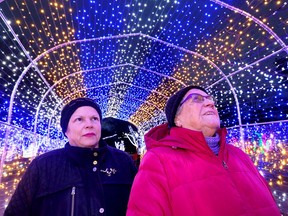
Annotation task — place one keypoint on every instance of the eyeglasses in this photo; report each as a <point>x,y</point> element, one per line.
<point>197,98</point>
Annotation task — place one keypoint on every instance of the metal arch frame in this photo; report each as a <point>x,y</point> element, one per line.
<point>266,28</point>
<point>22,46</point>
<point>251,65</point>
<point>33,64</point>
<point>259,123</point>
<point>256,20</point>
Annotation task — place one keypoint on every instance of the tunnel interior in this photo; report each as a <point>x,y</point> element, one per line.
<point>130,57</point>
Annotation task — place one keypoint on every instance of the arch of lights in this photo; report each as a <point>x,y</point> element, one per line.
<point>34,64</point>
<point>240,129</point>
<point>110,84</point>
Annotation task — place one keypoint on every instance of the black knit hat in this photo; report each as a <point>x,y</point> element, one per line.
<point>72,106</point>
<point>174,101</point>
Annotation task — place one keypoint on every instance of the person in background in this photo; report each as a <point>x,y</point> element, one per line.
<point>86,177</point>
<point>190,170</point>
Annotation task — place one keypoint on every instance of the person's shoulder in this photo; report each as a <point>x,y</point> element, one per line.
<point>120,155</point>
<point>56,153</point>
<point>163,151</point>
<point>236,150</point>
<point>117,151</point>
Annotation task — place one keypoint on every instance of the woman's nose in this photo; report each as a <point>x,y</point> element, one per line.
<point>208,102</point>
<point>88,123</point>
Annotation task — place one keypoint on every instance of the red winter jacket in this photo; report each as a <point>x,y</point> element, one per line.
<point>180,175</point>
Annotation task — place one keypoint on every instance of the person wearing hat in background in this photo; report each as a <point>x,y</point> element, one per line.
<point>189,169</point>
<point>86,177</point>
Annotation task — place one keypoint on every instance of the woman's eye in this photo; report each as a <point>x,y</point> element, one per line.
<point>95,118</point>
<point>198,98</point>
<point>78,119</point>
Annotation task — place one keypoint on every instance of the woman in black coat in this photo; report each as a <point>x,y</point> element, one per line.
<point>86,177</point>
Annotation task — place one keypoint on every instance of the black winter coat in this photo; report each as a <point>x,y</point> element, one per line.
<point>75,181</point>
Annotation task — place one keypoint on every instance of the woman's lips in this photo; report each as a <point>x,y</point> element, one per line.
<point>89,134</point>
<point>209,113</point>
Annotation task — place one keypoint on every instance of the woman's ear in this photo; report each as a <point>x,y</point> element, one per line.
<point>177,121</point>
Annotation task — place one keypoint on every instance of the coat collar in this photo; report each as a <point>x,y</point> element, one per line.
<point>182,138</point>
<point>82,156</point>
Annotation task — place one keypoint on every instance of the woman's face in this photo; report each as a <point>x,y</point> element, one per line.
<point>201,116</point>
<point>84,128</point>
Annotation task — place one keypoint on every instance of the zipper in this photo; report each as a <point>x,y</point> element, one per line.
<point>224,165</point>
<point>72,200</point>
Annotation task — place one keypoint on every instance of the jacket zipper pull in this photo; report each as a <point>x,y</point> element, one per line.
<point>224,165</point>
<point>72,200</point>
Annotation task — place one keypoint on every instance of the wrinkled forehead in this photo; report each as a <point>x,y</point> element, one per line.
<point>198,91</point>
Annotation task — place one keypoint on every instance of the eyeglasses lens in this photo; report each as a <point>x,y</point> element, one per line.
<point>197,98</point>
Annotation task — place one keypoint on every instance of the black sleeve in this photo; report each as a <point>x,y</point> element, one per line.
<point>22,199</point>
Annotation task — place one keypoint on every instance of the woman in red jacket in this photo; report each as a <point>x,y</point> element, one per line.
<point>190,170</point>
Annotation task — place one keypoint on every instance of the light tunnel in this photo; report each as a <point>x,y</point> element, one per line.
<point>130,57</point>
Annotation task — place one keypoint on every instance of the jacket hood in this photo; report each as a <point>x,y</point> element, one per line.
<point>155,134</point>
<point>177,137</point>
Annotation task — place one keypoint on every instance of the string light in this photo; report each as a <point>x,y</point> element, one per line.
<point>132,76</point>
